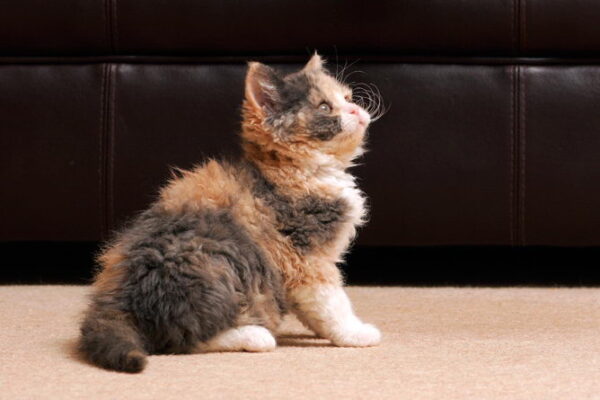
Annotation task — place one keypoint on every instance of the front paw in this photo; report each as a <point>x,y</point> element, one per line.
<point>357,335</point>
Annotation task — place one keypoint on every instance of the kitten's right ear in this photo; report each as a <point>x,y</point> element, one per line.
<point>261,87</point>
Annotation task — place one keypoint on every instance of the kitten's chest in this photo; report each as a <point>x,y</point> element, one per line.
<point>321,217</point>
<point>342,186</point>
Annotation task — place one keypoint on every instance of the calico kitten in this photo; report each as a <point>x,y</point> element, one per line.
<point>228,249</point>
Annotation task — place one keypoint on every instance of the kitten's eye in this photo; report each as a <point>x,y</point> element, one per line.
<point>325,107</point>
<point>348,98</point>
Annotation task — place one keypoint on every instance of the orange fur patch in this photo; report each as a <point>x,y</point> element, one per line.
<point>212,185</point>
<point>110,275</point>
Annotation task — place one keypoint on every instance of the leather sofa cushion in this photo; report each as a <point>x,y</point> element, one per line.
<point>467,154</point>
<point>51,141</point>
<point>216,27</point>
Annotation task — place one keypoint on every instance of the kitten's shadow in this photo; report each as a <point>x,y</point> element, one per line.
<point>301,340</point>
<point>70,348</point>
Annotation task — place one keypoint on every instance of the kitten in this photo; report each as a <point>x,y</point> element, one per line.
<point>229,248</point>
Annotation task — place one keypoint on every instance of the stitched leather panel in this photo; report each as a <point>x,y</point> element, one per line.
<point>439,167</point>
<point>562,155</point>
<point>57,27</point>
<point>51,139</point>
<point>467,154</point>
<point>133,27</point>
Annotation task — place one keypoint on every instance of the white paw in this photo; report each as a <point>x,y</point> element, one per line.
<point>256,338</point>
<point>357,335</point>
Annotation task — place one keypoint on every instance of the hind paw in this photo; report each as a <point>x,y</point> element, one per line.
<point>256,338</point>
<point>251,338</point>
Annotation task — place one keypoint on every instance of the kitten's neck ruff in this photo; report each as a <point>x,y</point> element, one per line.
<point>301,173</point>
<point>293,165</point>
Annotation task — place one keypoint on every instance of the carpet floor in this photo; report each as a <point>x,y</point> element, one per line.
<point>438,343</point>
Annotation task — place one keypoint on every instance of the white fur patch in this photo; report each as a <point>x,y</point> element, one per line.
<point>343,184</point>
<point>349,122</point>
<point>251,338</point>
<point>327,310</point>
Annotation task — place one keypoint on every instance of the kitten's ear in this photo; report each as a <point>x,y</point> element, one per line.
<point>315,63</point>
<point>261,87</point>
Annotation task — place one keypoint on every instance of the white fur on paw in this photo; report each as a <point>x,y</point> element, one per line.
<point>357,335</point>
<point>256,338</point>
<point>245,338</point>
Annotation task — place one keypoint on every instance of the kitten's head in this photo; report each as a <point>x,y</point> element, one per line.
<point>303,114</point>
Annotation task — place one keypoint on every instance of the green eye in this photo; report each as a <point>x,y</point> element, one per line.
<point>325,107</point>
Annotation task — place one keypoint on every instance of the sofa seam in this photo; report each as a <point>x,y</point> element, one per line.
<point>106,149</point>
<point>523,155</point>
<point>102,153</point>
<point>110,148</point>
<point>150,59</point>
<point>511,157</point>
<point>516,159</point>
<point>518,156</point>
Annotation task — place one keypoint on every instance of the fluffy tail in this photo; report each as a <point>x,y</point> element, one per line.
<point>109,340</point>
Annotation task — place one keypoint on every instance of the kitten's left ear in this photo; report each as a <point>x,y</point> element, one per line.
<point>262,87</point>
<point>315,63</point>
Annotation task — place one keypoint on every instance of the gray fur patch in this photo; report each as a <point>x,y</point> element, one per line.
<point>292,96</point>
<point>187,277</point>
<point>309,221</point>
<point>325,127</point>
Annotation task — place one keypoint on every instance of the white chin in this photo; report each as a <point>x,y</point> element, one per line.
<point>354,129</point>
<point>350,123</point>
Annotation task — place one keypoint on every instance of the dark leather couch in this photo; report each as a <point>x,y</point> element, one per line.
<point>492,135</point>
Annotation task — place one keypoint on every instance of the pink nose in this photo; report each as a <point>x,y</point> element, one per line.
<point>353,109</point>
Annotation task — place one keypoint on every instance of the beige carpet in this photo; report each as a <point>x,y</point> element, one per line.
<point>439,343</point>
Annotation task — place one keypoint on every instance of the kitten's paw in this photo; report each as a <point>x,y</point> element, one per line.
<point>357,335</point>
<point>256,338</point>
<point>252,338</point>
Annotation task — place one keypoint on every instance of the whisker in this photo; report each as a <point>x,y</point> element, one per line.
<point>340,77</point>
<point>369,97</point>
<point>356,71</point>
<point>336,61</point>
<point>343,78</point>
